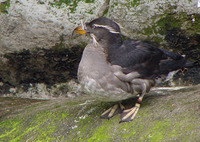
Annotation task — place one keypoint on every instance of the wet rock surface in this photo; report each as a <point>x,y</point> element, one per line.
<point>9,104</point>
<point>167,114</point>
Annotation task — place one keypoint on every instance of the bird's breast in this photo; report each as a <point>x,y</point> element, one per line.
<point>95,74</point>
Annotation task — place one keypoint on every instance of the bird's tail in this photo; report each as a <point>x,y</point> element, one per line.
<point>172,55</point>
<point>173,61</point>
<point>169,65</point>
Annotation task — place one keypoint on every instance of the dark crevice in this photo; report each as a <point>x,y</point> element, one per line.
<point>47,66</point>
<point>186,45</point>
<point>189,46</point>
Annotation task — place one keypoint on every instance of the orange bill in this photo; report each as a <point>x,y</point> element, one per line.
<point>79,30</point>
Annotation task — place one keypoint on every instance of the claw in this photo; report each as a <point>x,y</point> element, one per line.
<point>116,109</point>
<point>129,114</point>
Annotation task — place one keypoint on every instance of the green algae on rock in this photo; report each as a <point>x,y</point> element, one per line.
<point>78,120</point>
<point>4,5</point>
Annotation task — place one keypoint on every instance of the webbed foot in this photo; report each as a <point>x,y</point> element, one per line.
<point>116,109</point>
<point>129,114</point>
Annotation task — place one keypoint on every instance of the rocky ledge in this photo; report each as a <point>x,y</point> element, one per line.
<point>167,114</point>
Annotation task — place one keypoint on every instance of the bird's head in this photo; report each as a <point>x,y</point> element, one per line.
<point>101,30</point>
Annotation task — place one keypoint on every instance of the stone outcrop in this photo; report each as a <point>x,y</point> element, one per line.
<point>168,116</point>
<point>44,23</point>
<point>36,43</point>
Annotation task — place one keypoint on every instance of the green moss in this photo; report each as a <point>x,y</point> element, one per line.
<point>88,122</point>
<point>129,131</point>
<point>169,105</point>
<point>105,13</point>
<point>100,134</point>
<point>168,22</point>
<point>89,1</point>
<point>71,121</point>
<point>157,132</point>
<point>41,124</point>
<point>72,4</point>
<point>72,103</point>
<point>90,12</point>
<point>4,6</point>
<point>135,3</point>
<point>157,39</point>
<point>9,127</point>
<point>189,23</point>
<point>57,106</point>
<point>60,2</point>
<point>183,127</point>
<point>148,31</point>
<point>160,130</point>
<point>193,25</point>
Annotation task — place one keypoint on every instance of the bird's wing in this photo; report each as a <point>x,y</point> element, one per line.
<point>134,55</point>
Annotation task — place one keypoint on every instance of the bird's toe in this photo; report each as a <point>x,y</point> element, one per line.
<point>116,109</point>
<point>129,114</point>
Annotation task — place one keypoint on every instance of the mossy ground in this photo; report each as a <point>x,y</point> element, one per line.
<point>4,6</point>
<point>170,117</point>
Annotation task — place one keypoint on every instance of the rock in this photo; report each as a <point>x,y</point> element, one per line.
<point>147,19</point>
<point>39,60</point>
<point>47,66</point>
<point>42,91</point>
<point>37,49</point>
<point>42,24</point>
<point>169,116</point>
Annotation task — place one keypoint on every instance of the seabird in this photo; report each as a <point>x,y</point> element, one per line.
<point>113,69</point>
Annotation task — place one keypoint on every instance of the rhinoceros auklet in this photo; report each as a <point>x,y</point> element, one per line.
<point>114,70</point>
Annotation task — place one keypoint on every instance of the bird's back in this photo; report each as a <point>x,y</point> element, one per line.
<point>148,60</point>
<point>135,55</point>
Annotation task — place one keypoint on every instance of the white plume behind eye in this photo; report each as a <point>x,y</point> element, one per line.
<point>82,25</point>
<point>94,40</point>
<point>110,29</point>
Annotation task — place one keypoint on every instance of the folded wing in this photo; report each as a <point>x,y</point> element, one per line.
<point>149,61</point>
